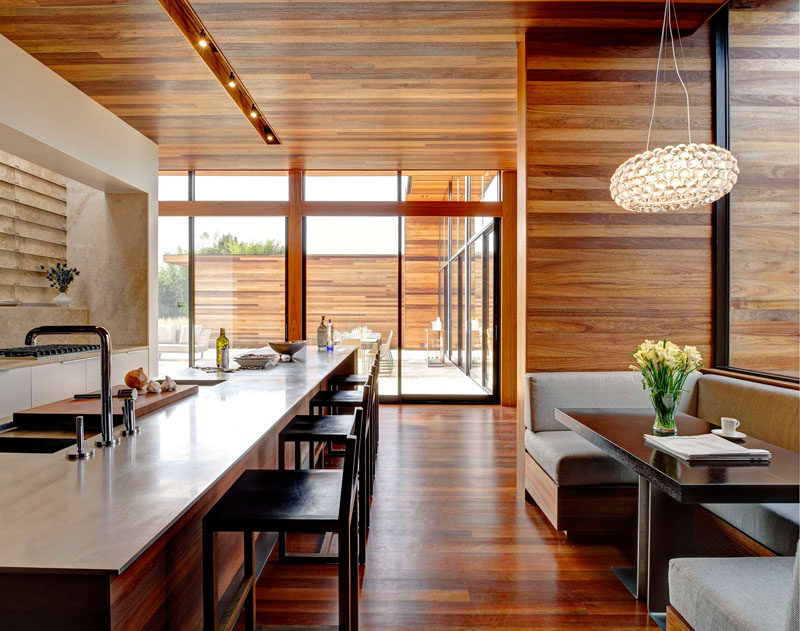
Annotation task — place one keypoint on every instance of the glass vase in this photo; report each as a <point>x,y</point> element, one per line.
<point>665,403</point>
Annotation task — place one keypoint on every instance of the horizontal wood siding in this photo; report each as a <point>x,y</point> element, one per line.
<point>33,229</point>
<point>420,279</point>
<point>601,279</point>
<point>352,290</point>
<point>764,204</point>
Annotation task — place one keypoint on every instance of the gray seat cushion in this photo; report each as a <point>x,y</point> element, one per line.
<point>573,461</point>
<point>738,594</point>
<point>775,526</point>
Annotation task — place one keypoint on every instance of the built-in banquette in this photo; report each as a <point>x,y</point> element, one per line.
<point>584,491</point>
<point>734,594</point>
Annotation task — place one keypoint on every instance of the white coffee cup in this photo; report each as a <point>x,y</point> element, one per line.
<point>729,425</point>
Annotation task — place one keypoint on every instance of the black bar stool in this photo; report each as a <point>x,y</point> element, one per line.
<point>329,429</point>
<point>337,400</point>
<point>337,382</point>
<point>290,501</point>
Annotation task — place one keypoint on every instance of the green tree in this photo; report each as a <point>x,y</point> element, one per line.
<point>230,244</point>
<point>173,291</point>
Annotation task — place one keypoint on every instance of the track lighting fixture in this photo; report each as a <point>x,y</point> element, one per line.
<point>253,113</point>
<point>202,42</point>
<point>231,81</point>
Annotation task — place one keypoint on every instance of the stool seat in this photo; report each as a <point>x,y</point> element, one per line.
<point>348,380</point>
<point>342,398</point>
<point>325,428</point>
<point>270,500</point>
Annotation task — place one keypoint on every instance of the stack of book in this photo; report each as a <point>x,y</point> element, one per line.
<point>706,447</point>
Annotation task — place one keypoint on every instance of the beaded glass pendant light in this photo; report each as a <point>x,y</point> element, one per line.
<point>673,177</point>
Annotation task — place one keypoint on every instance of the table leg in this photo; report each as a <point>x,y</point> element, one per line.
<point>642,538</point>
<point>672,535</point>
<point>635,578</point>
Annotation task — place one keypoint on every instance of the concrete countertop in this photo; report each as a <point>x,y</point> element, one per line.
<point>99,515</point>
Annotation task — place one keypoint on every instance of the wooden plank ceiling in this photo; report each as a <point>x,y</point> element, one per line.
<point>347,85</point>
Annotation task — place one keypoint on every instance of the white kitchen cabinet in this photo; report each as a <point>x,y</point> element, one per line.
<point>123,362</point>
<point>15,391</point>
<point>59,380</point>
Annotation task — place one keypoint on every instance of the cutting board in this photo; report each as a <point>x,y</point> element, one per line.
<point>61,414</point>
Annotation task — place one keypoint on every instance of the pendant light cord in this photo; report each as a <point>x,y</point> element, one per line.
<point>666,26</point>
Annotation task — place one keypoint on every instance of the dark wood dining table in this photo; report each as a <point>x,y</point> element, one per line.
<point>671,488</point>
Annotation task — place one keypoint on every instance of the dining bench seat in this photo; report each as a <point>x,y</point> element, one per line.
<point>573,461</point>
<point>735,594</point>
<point>774,526</point>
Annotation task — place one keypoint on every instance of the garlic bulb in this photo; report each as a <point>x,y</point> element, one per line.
<point>168,385</point>
<point>153,387</point>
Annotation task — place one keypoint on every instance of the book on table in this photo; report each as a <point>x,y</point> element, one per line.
<point>705,447</point>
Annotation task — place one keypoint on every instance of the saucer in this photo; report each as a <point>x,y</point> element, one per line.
<point>737,435</point>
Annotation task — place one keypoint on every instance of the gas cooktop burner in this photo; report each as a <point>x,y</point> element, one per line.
<point>48,350</point>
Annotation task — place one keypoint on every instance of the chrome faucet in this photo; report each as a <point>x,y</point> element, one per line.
<point>106,418</point>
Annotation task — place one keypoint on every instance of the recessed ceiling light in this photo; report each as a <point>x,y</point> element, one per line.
<point>270,137</point>
<point>231,81</point>
<point>253,113</point>
<point>202,42</point>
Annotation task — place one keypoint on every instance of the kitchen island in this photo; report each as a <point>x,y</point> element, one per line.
<point>114,542</point>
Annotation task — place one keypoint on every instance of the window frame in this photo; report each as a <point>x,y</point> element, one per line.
<point>722,207</point>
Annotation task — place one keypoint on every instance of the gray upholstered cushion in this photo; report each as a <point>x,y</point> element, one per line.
<point>546,391</point>
<point>793,617</point>
<point>738,594</point>
<point>573,461</point>
<point>776,526</point>
<point>766,412</point>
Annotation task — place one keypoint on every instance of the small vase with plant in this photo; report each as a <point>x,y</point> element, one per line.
<point>61,277</point>
<point>665,367</point>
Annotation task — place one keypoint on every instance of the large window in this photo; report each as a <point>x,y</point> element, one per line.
<point>239,283</point>
<point>762,210</point>
<point>351,279</point>
<point>442,186</point>
<point>327,186</point>
<point>249,186</point>
<point>173,290</point>
<point>419,289</point>
<point>173,186</point>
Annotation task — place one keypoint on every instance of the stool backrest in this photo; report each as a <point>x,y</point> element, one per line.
<point>352,445</point>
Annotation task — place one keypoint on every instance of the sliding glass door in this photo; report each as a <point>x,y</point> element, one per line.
<point>448,306</point>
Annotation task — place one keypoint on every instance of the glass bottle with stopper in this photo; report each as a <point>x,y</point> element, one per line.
<point>322,335</point>
<point>223,351</point>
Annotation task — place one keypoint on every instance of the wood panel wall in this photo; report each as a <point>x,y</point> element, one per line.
<point>764,205</point>
<point>353,290</point>
<point>600,279</point>
<point>33,229</point>
<point>421,290</point>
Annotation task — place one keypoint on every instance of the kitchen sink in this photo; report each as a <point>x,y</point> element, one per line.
<point>9,444</point>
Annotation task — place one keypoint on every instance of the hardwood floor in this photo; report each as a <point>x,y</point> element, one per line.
<point>452,546</point>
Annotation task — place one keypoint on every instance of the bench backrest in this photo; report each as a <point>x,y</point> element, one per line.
<point>546,391</point>
<point>767,412</point>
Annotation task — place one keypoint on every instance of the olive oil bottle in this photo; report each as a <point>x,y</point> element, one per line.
<point>223,351</point>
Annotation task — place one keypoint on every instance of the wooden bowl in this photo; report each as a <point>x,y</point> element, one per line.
<point>287,348</point>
